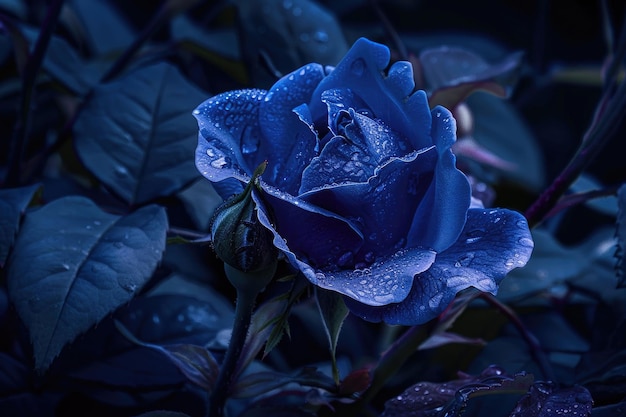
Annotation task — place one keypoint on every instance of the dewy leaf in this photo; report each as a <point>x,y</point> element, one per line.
<point>544,399</point>
<point>333,311</point>
<point>13,203</point>
<point>620,253</point>
<point>195,362</point>
<point>289,34</point>
<point>73,264</point>
<point>136,133</point>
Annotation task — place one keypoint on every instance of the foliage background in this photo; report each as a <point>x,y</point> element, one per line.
<point>119,132</point>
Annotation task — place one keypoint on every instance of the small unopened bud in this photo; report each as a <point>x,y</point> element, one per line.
<point>242,242</point>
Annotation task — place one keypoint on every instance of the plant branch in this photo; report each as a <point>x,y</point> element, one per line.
<point>19,140</point>
<point>535,347</point>
<point>609,113</point>
<point>243,316</point>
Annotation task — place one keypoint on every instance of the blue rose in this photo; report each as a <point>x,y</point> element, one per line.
<point>361,191</point>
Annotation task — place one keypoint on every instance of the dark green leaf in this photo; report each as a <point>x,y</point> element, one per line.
<point>287,35</point>
<point>333,311</point>
<point>73,264</point>
<point>621,238</point>
<point>13,203</point>
<point>136,134</point>
<point>195,362</point>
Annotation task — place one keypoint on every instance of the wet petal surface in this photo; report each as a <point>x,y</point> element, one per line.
<point>492,243</point>
<point>440,218</point>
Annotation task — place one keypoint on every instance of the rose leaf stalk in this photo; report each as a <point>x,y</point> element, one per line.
<point>250,260</point>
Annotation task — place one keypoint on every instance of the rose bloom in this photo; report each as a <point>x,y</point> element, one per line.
<point>361,191</point>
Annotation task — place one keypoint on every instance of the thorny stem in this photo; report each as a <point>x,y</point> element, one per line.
<point>19,141</point>
<point>225,380</point>
<point>609,113</point>
<point>535,347</point>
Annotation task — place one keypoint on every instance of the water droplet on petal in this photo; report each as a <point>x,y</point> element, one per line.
<point>524,241</point>
<point>219,163</point>
<point>321,36</point>
<point>435,300</point>
<point>357,67</point>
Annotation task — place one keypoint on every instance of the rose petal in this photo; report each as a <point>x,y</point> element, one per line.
<point>441,215</point>
<point>382,207</point>
<point>228,126</point>
<point>493,243</point>
<point>338,101</point>
<point>386,281</point>
<point>361,71</point>
<point>290,143</point>
<point>366,144</point>
<point>339,162</point>
<point>313,234</point>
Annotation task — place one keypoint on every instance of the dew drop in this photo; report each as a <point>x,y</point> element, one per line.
<point>524,241</point>
<point>219,163</point>
<point>196,112</point>
<point>472,239</point>
<point>121,171</point>
<point>435,300</point>
<point>357,67</point>
<point>210,153</point>
<point>321,36</point>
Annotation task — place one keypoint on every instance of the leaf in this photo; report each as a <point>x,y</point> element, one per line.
<point>545,400</point>
<point>94,22</point>
<point>431,399</point>
<point>105,361</point>
<point>260,383</point>
<point>162,413</point>
<point>499,128</point>
<point>63,64</point>
<point>553,266</point>
<point>453,73</point>
<point>288,34</point>
<point>333,311</point>
<point>73,264</point>
<point>136,134</point>
<point>620,253</point>
<point>195,362</point>
<point>13,203</point>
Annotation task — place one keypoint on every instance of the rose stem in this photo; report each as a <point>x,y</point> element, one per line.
<point>535,347</point>
<point>609,112</point>
<point>31,69</point>
<point>243,315</point>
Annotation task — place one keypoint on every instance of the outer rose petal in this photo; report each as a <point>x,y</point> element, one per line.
<point>290,142</point>
<point>227,122</point>
<point>441,215</point>
<point>320,236</point>
<point>384,205</point>
<point>361,71</point>
<point>493,243</point>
